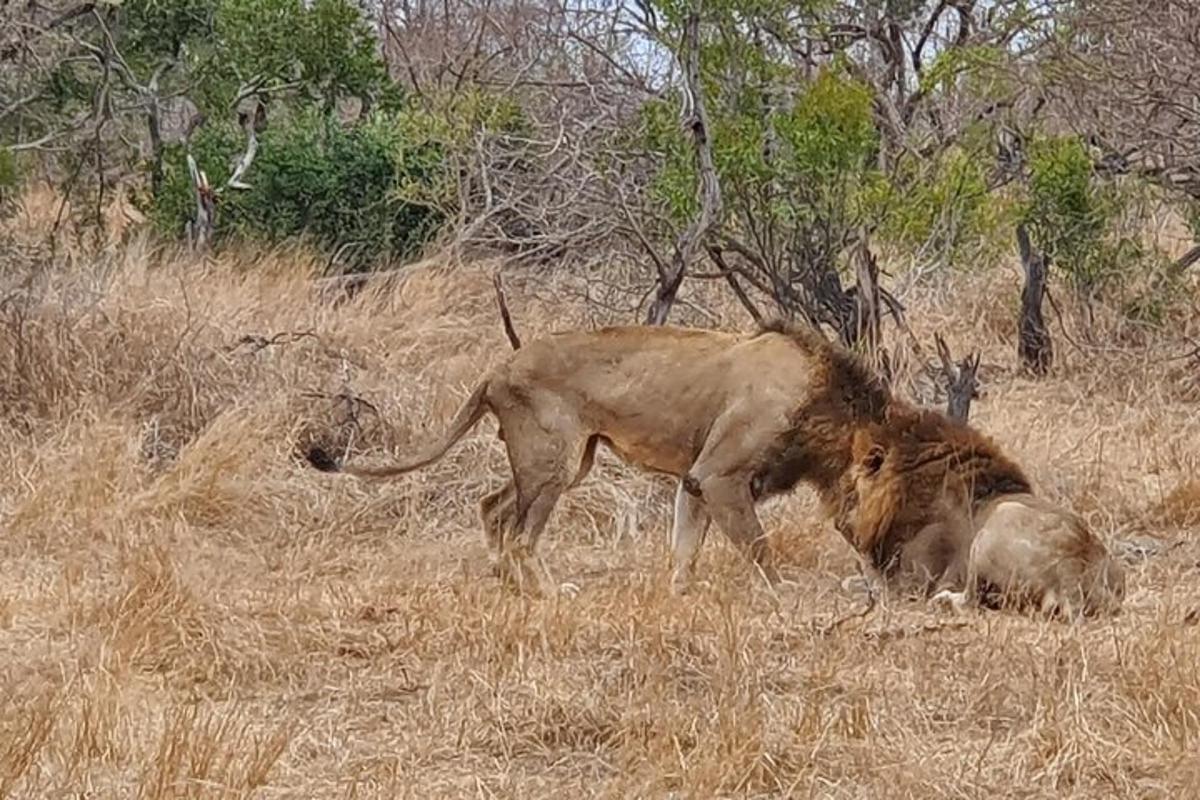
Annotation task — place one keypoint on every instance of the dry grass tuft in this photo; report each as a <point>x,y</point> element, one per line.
<point>1182,506</point>
<point>189,610</point>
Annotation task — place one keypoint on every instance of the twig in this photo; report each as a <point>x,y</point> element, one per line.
<point>505,317</point>
<point>258,342</point>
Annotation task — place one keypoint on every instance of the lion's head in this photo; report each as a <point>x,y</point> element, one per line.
<point>916,468</point>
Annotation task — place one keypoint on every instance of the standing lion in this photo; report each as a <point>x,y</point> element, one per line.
<point>734,417</point>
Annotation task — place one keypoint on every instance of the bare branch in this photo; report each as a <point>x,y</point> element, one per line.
<point>731,277</point>
<point>696,121</point>
<point>505,316</point>
<point>961,384</point>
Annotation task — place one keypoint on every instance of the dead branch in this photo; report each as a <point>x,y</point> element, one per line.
<point>695,118</point>
<point>505,317</point>
<point>257,342</point>
<point>202,227</point>
<point>961,384</point>
<point>1184,262</point>
<point>866,296</point>
<point>1035,348</point>
<point>731,277</point>
<point>346,397</point>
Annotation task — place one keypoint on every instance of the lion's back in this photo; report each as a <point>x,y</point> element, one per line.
<point>668,363</point>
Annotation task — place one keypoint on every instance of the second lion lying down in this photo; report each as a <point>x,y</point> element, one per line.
<point>932,504</point>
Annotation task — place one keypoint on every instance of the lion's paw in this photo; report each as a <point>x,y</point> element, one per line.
<point>858,584</point>
<point>951,600</point>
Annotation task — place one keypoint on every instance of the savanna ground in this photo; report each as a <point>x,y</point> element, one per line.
<point>188,609</point>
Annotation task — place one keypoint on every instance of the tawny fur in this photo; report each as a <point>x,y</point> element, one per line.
<point>1028,552</point>
<point>932,503</point>
<point>734,417</point>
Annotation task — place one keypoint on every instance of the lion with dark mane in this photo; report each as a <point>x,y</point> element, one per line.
<point>932,504</point>
<point>733,417</point>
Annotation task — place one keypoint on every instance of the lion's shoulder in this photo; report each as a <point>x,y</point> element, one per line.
<point>847,378</point>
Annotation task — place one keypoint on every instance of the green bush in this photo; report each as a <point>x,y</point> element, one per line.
<point>824,150</point>
<point>1065,213</point>
<point>1078,222</point>
<point>340,185</point>
<point>945,208</point>
<point>805,175</point>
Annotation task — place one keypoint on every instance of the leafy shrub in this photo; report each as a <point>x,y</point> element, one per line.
<point>1065,217</point>
<point>945,209</point>
<point>1069,215</point>
<point>805,175</point>
<point>1091,230</point>
<point>341,185</point>
<point>798,168</point>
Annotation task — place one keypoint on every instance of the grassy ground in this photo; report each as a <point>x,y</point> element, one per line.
<point>187,609</point>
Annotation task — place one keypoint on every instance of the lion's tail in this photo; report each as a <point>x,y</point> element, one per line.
<point>469,414</point>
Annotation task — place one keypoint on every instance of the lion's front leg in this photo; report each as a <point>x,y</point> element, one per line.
<point>687,535</point>
<point>729,502</point>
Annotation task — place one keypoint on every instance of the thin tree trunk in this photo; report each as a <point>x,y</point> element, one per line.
<point>1034,347</point>
<point>718,258</point>
<point>670,277</point>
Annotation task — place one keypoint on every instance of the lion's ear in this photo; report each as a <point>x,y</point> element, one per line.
<point>872,460</point>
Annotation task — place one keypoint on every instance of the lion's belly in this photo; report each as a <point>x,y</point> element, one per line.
<point>649,455</point>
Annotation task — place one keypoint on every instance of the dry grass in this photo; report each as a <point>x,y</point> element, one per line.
<point>188,610</point>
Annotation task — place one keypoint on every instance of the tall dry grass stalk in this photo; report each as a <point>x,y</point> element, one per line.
<point>188,610</point>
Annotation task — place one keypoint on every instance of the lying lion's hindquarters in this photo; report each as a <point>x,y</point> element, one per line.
<point>1032,552</point>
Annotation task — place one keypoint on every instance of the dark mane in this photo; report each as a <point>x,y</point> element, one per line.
<point>856,385</point>
<point>816,447</point>
<point>927,438</point>
<point>925,454</point>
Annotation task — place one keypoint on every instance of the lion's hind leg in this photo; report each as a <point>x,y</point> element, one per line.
<point>498,509</point>
<point>548,454</point>
<point>497,512</point>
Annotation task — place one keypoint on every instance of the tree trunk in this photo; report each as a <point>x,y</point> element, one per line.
<point>203,226</point>
<point>866,301</point>
<point>1034,348</point>
<point>696,120</point>
<point>200,228</point>
<point>869,301</point>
